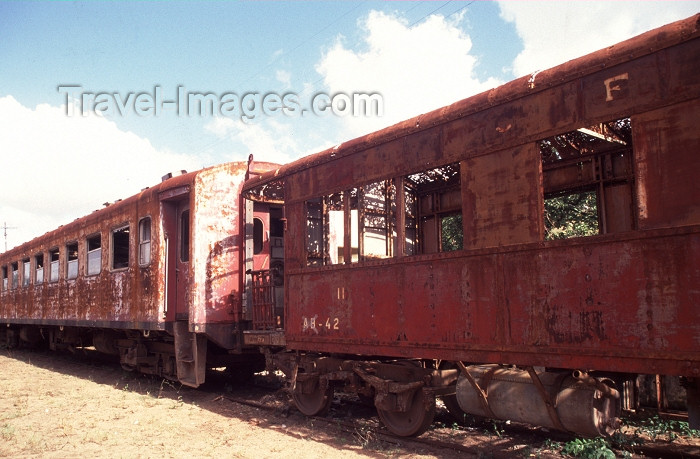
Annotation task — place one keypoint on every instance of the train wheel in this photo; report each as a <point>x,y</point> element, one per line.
<point>315,403</point>
<point>415,420</point>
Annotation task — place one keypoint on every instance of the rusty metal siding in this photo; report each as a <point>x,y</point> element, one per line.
<point>217,245</point>
<point>667,150</point>
<point>622,304</point>
<point>500,196</point>
<point>126,298</point>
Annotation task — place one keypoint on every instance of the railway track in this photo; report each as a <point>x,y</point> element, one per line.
<point>481,438</point>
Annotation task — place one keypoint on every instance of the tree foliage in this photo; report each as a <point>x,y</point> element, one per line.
<point>571,215</point>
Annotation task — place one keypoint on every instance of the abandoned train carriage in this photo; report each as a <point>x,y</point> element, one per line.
<point>432,246</point>
<point>155,278</point>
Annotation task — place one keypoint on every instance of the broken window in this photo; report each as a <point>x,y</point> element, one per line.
<point>26,272</point>
<point>39,268</point>
<point>433,210</point>
<point>120,247</point>
<point>325,223</point>
<point>53,266</point>
<point>588,181</point>
<point>94,255</point>
<point>72,260</point>
<point>376,220</point>
<point>15,275</point>
<point>145,241</point>
<point>364,223</point>
<point>4,278</point>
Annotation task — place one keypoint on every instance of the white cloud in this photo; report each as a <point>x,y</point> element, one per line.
<point>415,69</point>
<point>284,77</point>
<point>556,32</point>
<point>267,140</point>
<point>56,168</point>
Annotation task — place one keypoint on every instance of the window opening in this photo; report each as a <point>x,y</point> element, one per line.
<point>145,241</point>
<point>433,210</point>
<point>258,240</point>
<point>72,260</point>
<point>4,278</point>
<point>314,232</point>
<point>94,255</point>
<point>185,236</point>
<point>26,272</point>
<point>39,268</point>
<point>276,222</point>
<point>377,220</point>
<point>15,275</point>
<point>588,181</point>
<point>120,248</point>
<point>53,265</point>
<point>332,225</point>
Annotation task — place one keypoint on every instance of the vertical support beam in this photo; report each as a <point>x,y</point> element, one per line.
<point>360,223</point>
<point>400,242</point>
<point>347,226</point>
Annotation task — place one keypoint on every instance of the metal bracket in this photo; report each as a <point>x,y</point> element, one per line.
<point>547,399</point>
<point>483,396</point>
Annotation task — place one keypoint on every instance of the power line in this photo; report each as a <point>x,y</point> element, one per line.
<point>436,9</point>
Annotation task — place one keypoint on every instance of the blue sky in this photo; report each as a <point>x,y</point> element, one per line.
<point>417,55</point>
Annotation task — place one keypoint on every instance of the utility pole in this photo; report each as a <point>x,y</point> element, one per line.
<point>5,228</point>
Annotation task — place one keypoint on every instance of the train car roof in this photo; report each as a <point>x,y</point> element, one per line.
<point>641,45</point>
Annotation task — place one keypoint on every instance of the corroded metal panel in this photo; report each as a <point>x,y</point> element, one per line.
<point>216,243</point>
<point>610,303</point>
<point>124,297</point>
<point>668,166</point>
<point>501,193</point>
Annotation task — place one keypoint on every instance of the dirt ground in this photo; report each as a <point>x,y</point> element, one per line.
<point>56,405</point>
<point>65,407</point>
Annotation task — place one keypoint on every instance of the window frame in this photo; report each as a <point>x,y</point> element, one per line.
<point>123,265</point>
<point>88,252</point>
<point>14,280</point>
<point>72,260</point>
<point>39,268</point>
<point>54,264</point>
<point>145,245</point>
<point>26,272</point>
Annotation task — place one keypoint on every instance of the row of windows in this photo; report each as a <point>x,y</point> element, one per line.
<point>587,188</point>
<point>12,277</point>
<point>367,220</point>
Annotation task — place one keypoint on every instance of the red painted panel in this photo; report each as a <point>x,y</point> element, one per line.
<point>609,303</point>
<point>667,150</point>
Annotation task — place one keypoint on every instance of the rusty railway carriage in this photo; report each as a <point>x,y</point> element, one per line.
<point>419,261</point>
<point>154,278</point>
<point>522,254</point>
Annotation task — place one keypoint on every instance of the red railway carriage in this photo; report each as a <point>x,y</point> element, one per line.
<point>438,246</point>
<point>155,278</point>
